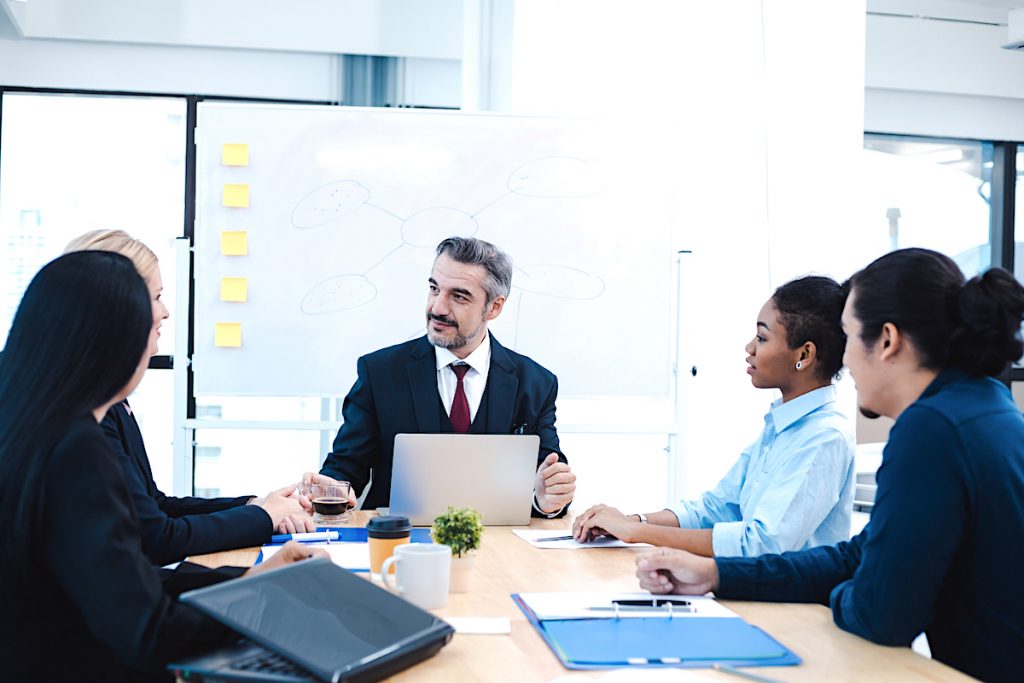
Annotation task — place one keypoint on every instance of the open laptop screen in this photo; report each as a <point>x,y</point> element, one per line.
<point>319,616</point>
<point>491,473</point>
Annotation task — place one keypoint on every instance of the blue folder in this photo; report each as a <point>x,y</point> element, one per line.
<point>658,642</point>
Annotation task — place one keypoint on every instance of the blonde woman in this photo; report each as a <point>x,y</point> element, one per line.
<point>174,528</point>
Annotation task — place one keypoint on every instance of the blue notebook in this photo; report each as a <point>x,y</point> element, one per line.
<point>659,641</point>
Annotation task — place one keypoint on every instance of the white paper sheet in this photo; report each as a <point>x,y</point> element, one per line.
<point>595,605</point>
<point>353,556</point>
<point>531,536</point>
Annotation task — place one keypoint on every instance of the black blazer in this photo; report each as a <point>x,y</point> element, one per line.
<point>93,606</point>
<point>396,393</point>
<point>174,528</point>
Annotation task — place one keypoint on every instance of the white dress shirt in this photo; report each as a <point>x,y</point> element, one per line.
<point>475,380</point>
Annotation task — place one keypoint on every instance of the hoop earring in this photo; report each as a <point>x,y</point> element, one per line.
<point>799,365</point>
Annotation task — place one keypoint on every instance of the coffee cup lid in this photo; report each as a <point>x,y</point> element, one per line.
<point>389,524</point>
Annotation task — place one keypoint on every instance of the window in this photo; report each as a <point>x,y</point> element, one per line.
<point>927,192</point>
<point>75,163</point>
<point>236,462</point>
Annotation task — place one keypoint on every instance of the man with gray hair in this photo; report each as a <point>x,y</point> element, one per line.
<point>457,378</point>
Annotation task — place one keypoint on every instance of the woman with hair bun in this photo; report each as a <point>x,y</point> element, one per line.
<point>942,553</point>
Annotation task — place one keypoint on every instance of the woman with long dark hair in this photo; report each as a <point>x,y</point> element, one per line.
<point>81,598</point>
<point>173,527</point>
<point>790,489</point>
<point>942,553</point>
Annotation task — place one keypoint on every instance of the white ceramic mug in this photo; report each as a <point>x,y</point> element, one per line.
<point>421,573</point>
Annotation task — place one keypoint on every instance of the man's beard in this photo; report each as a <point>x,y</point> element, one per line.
<point>869,414</point>
<point>453,343</point>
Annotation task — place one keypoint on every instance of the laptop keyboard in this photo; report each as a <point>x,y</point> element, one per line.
<point>267,662</point>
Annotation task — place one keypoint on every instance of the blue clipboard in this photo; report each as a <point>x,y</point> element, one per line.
<point>658,642</point>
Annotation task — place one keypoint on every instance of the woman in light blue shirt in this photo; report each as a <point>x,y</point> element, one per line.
<point>793,487</point>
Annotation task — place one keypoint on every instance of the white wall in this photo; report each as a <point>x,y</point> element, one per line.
<point>943,78</point>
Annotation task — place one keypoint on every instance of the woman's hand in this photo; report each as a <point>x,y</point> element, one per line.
<point>290,553</point>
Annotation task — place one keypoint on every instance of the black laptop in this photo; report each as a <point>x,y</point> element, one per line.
<point>311,621</point>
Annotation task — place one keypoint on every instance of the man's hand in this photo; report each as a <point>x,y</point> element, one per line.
<point>602,520</point>
<point>309,478</point>
<point>290,553</point>
<point>554,485</point>
<point>666,570</point>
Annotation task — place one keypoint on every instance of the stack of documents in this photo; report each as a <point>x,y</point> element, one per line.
<point>594,631</point>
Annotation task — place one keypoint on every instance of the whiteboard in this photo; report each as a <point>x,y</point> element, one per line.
<point>346,207</point>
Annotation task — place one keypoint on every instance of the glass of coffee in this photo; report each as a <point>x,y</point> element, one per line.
<point>330,503</point>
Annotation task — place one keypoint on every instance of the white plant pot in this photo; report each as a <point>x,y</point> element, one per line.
<point>462,574</point>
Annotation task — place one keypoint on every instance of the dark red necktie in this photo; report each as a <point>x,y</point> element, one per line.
<point>460,405</point>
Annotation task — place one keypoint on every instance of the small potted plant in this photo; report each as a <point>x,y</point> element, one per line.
<point>460,529</point>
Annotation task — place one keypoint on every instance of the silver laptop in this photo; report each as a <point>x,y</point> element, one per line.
<point>491,473</point>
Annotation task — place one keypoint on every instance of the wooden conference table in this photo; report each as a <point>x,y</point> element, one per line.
<point>506,564</point>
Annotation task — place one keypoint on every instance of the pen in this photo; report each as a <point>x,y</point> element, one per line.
<point>742,674</point>
<point>553,538</point>
<point>305,538</point>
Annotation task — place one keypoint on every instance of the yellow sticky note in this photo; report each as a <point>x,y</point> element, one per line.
<point>234,289</point>
<point>234,155</point>
<point>228,335</point>
<point>234,243</point>
<point>236,196</point>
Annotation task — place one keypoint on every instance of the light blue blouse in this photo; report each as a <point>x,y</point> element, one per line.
<point>791,489</point>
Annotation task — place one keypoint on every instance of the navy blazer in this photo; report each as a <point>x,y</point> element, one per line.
<point>942,552</point>
<point>174,528</point>
<point>396,393</point>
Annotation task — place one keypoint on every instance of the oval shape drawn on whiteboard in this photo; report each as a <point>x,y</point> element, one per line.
<point>428,227</point>
<point>339,294</point>
<point>556,177</point>
<point>329,203</point>
<point>562,282</point>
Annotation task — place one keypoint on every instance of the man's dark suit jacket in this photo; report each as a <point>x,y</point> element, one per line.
<point>174,528</point>
<point>396,393</point>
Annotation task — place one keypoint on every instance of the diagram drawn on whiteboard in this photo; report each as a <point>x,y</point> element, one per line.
<point>555,177</point>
